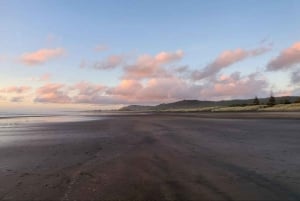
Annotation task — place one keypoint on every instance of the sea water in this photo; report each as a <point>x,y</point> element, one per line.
<point>17,127</point>
<point>15,120</point>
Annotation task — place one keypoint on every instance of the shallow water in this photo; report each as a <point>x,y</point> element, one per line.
<point>19,127</point>
<point>13,120</point>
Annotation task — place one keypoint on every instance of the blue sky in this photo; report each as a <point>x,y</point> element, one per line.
<point>203,30</point>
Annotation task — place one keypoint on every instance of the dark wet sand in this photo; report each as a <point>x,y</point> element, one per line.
<point>223,156</point>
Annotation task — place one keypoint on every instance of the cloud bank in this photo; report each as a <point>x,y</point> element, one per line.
<point>152,79</point>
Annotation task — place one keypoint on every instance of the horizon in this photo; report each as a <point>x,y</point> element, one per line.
<point>107,54</point>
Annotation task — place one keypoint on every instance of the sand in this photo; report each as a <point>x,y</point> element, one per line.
<point>224,156</point>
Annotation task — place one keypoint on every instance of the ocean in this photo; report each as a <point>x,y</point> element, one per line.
<point>15,119</point>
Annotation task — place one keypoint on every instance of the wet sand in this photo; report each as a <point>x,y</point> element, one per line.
<point>224,156</point>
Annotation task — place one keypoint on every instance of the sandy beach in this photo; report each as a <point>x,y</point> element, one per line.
<point>224,156</point>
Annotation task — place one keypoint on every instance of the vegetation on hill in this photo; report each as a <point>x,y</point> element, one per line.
<point>284,103</point>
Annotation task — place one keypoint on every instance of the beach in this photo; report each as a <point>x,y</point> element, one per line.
<point>153,156</point>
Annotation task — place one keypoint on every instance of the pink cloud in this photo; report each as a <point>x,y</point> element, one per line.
<point>86,92</point>
<point>126,88</point>
<point>286,59</point>
<point>16,89</point>
<point>227,58</point>
<point>41,56</point>
<point>168,89</point>
<point>235,86</point>
<point>147,66</point>
<point>82,92</point>
<point>167,57</point>
<point>53,92</point>
<point>155,90</point>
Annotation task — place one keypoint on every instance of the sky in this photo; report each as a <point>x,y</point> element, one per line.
<point>72,54</point>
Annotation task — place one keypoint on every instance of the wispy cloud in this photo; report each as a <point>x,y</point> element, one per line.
<point>110,62</point>
<point>41,56</point>
<point>288,58</point>
<point>227,58</point>
<point>101,48</point>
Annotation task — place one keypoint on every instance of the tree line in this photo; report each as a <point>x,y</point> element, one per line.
<point>272,101</point>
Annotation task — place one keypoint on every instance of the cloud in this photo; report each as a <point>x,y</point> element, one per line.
<point>235,86</point>
<point>126,88</point>
<point>110,62</point>
<point>181,69</point>
<point>147,66</point>
<point>101,48</point>
<point>167,57</point>
<point>154,90</point>
<point>17,99</point>
<point>52,92</point>
<point>168,89</point>
<point>152,79</point>
<point>227,58</point>
<point>82,92</point>
<point>86,92</point>
<point>41,56</point>
<point>16,89</point>
<point>288,58</point>
<point>295,77</point>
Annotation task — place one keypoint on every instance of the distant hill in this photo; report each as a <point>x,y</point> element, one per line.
<point>136,108</point>
<point>190,104</point>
